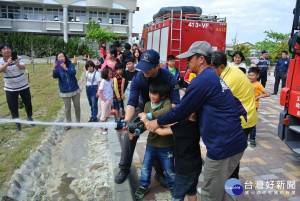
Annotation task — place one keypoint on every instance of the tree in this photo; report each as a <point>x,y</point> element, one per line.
<point>96,34</point>
<point>274,43</point>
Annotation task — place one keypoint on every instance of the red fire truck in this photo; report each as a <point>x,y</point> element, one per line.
<point>289,120</point>
<point>174,29</point>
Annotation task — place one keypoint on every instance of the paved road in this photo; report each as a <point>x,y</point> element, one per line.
<point>271,163</point>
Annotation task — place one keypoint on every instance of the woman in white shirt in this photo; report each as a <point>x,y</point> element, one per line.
<point>238,59</point>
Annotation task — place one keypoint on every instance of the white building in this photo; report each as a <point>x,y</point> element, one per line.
<point>66,17</point>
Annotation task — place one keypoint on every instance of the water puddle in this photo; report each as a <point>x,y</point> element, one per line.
<point>64,190</point>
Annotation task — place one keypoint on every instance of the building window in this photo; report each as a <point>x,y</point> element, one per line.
<point>33,13</point>
<point>123,18</point>
<point>54,14</point>
<point>99,17</point>
<point>77,16</point>
<point>12,12</point>
<point>117,18</point>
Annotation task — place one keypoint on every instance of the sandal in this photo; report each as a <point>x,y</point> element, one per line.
<point>67,128</point>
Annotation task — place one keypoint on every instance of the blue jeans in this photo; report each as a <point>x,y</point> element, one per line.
<point>93,101</point>
<point>185,184</point>
<point>166,157</point>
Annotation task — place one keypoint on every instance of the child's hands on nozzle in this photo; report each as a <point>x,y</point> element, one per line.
<point>143,117</point>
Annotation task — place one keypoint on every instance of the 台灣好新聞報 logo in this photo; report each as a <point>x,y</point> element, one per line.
<point>233,187</point>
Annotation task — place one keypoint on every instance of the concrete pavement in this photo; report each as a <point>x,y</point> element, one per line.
<point>270,171</point>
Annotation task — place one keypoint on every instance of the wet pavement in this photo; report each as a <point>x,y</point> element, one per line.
<point>270,171</point>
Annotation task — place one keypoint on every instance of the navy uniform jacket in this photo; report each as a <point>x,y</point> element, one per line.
<point>282,65</point>
<point>139,87</point>
<point>263,65</point>
<point>219,122</point>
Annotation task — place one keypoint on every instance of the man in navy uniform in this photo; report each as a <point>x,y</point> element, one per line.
<point>264,68</point>
<point>139,95</point>
<point>280,71</point>
<point>219,121</point>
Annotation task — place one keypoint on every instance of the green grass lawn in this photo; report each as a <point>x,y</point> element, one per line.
<point>16,146</point>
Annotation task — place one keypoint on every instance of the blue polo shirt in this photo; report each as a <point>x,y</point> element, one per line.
<point>263,65</point>
<point>282,65</point>
<point>139,88</point>
<point>219,122</point>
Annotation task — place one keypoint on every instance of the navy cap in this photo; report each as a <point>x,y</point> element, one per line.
<point>264,52</point>
<point>149,59</point>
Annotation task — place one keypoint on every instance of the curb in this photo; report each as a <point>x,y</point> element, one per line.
<point>122,191</point>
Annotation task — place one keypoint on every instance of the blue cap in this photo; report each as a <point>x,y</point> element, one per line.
<point>149,59</point>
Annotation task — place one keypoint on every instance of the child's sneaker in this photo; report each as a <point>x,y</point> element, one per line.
<point>252,143</point>
<point>171,190</point>
<point>141,192</point>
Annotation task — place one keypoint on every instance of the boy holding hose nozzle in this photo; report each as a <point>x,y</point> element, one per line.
<point>161,146</point>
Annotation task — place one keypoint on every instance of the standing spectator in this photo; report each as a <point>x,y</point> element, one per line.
<point>127,78</point>
<point>15,83</point>
<point>68,86</point>
<point>259,92</point>
<point>280,71</point>
<point>117,45</point>
<point>111,60</point>
<point>171,66</point>
<point>117,82</point>
<point>139,95</point>
<point>103,52</point>
<point>136,55</point>
<point>219,122</point>
<point>126,53</point>
<point>238,59</point>
<point>134,46</point>
<point>92,82</point>
<point>106,95</point>
<point>242,90</point>
<point>98,63</point>
<point>264,68</point>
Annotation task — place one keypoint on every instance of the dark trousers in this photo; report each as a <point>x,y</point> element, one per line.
<point>13,104</point>
<point>263,78</point>
<point>128,147</point>
<point>235,173</point>
<point>280,75</point>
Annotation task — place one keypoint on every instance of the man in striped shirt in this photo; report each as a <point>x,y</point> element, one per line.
<point>15,83</point>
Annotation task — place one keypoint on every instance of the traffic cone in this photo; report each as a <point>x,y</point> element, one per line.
<point>88,57</point>
<point>84,58</point>
<point>74,59</point>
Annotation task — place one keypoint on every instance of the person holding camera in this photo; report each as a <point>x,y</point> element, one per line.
<point>15,82</point>
<point>65,71</point>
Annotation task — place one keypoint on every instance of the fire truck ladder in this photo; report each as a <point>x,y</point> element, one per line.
<point>173,49</point>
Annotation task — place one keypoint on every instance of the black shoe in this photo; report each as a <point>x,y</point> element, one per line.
<point>91,119</point>
<point>18,127</point>
<point>161,178</point>
<point>273,93</point>
<point>95,120</point>
<point>121,176</point>
<point>30,119</point>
